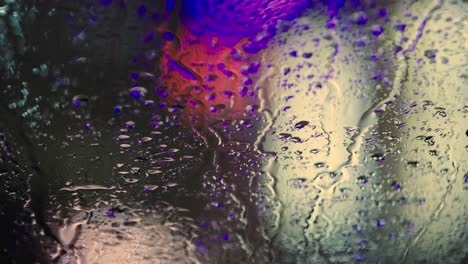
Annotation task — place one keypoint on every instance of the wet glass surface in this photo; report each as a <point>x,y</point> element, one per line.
<point>233,131</point>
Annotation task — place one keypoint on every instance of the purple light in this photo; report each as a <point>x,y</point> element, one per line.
<point>141,10</point>
<point>361,19</point>
<point>243,91</point>
<point>221,66</point>
<point>110,213</point>
<point>380,223</point>
<point>359,257</point>
<point>233,22</point>
<point>253,68</point>
<point>149,37</point>
<point>168,36</point>
<point>400,27</point>
<point>377,30</point>
<point>307,55</point>
<point>383,12</point>
<point>106,2</point>
<point>135,94</point>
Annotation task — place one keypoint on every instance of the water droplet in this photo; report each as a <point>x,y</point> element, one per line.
<point>301,124</point>
<point>430,54</point>
<point>378,157</point>
<point>380,223</point>
<point>284,135</point>
<point>123,137</point>
<point>296,139</point>
<point>154,171</point>
<point>80,100</point>
<point>130,124</point>
<point>320,165</point>
<point>145,139</point>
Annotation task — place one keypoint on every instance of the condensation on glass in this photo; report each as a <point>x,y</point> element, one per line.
<point>233,131</point>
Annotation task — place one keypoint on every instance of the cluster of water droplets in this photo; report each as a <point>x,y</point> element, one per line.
<point>322,136</point>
